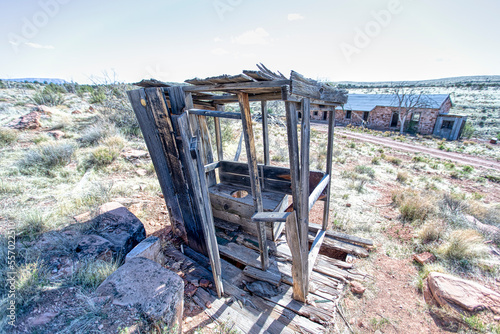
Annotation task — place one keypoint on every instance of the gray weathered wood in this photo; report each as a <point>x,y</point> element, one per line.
<point>305,140</point>
<point>218,134</point>
<point>270,216</point>
<point>316,193</point>
<point>329,163</point>
<point>214,113</point>
<point>299,261</point>
<point>241,254</point>
<point>341,236</point>
<point>265,132</point>
<point>157,106</point>
<point>302,86</point>
<point>261,275</point>
<point>330,243</point>
<point>212,166</point>
<point>157,152</point>
<point>314,251</point>
<point>254,86</point>
<point>205,148</point>
<point>197,180</point>
<point>246,119</point>
<point>238,150</point>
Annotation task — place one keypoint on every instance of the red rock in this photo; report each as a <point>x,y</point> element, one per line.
<point>424,258</point>
<point>348,205</point>
<point>190,290</point>
<point>208,305</point>
<point>76,111</point>
<point>462,294</point>
<point>57,134</point>
<point>29,121</point>
<point>357,288</point>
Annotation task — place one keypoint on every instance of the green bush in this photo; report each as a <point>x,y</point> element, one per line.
<point>97,96</point>
<point>49,96</point>
<point>7,136</point>
<point>101,156</point>
<point>362,169</point>
<point>45,157</point>
<point>92,135</point>
<point>468,130</point>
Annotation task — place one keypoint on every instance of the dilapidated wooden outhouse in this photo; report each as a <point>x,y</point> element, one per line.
<point>200,186</point>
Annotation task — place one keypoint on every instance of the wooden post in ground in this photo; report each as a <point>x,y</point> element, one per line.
<point>293,228</point>
<point>329,156</point>
<point>246,119</point>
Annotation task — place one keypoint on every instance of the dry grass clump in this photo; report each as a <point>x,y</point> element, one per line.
<point>402,177</point>
<point>393,160</point>
<point>413,206</point>
<point>93,272</point>
<point>45,157</point>
<point>431,231</point>
<point>7,136</point>
<point>464,245</point>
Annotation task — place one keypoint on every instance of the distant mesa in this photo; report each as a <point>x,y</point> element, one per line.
<point>40,80</point>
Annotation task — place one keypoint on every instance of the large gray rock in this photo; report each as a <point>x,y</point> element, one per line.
<point>462,294</point>
<point>142,283</point>
<point>120,226</point>
<point>149,248</point>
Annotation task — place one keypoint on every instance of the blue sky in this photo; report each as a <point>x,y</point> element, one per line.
<point>174,40</point>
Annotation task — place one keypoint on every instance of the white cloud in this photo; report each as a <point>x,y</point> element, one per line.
<point>38,46</point>
<point>219,51</point>
<point>295,17</point>
<point>258,36</point>
<point>218,39</point>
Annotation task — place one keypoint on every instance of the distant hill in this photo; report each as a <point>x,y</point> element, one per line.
<point>40,80</point>
<point>489,80</point>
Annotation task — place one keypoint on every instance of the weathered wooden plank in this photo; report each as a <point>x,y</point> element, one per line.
<point>280,187</point>
<point>289,97</point>
<point>299,262</point>
<point>305,140</point>
<point>156,151</point>
<point>177,99</point>
<point>265,132</point>
<point>320,313</point>
<point>221,79</point>
<point>241,254</point>
<point>329,163</point>
<point>330,243</point>
<point>316,193</point>
<point>156,105</point>
<point>218,134</point>
<point>205,148</point>
<point>214,113</point>
<point>246,119</point>
<point>251,87</point>
<point>261,275</point>
<point>270,217</point>
<point>212,166</point>
<point>314,251</point>
<point>302,86</point>
<point>238,150</point>
<point>342,236</point>
<point>196,177</point>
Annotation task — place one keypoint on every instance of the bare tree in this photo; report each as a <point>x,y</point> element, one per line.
<point>408,101</point>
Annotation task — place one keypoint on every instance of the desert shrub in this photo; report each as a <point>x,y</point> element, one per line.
<point>418,158</point>
<point>30,279</point>
<point>393,160</point>
<point>122,116</point>
<point>97,95</point>
<point>45,157</point>
<point>453,203</point>
<point>467,169</point>
<point>463,245</point>
<point>468,130</point>
<point>43,137</point>
<point>10,188</point>
<point>376,160</point>
<point>7,136</point>
<point>101,156</point>
<point>362,169</point>
<point>2,85</point>
<point>48,96</point>
<point>31,225</point>
<point>93,134</point>
<point>402,177</point>
<point>413,206</point>
<point>352,145</point>
<point>430,232</point>
<point>93,272</point>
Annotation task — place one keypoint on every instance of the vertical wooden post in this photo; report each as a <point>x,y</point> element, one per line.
<point>329,156</point>
<point>265,132</point>
<point>246,119</point>
<point>218,134</point>
<point>293,228</point>
<point>305,135</point>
